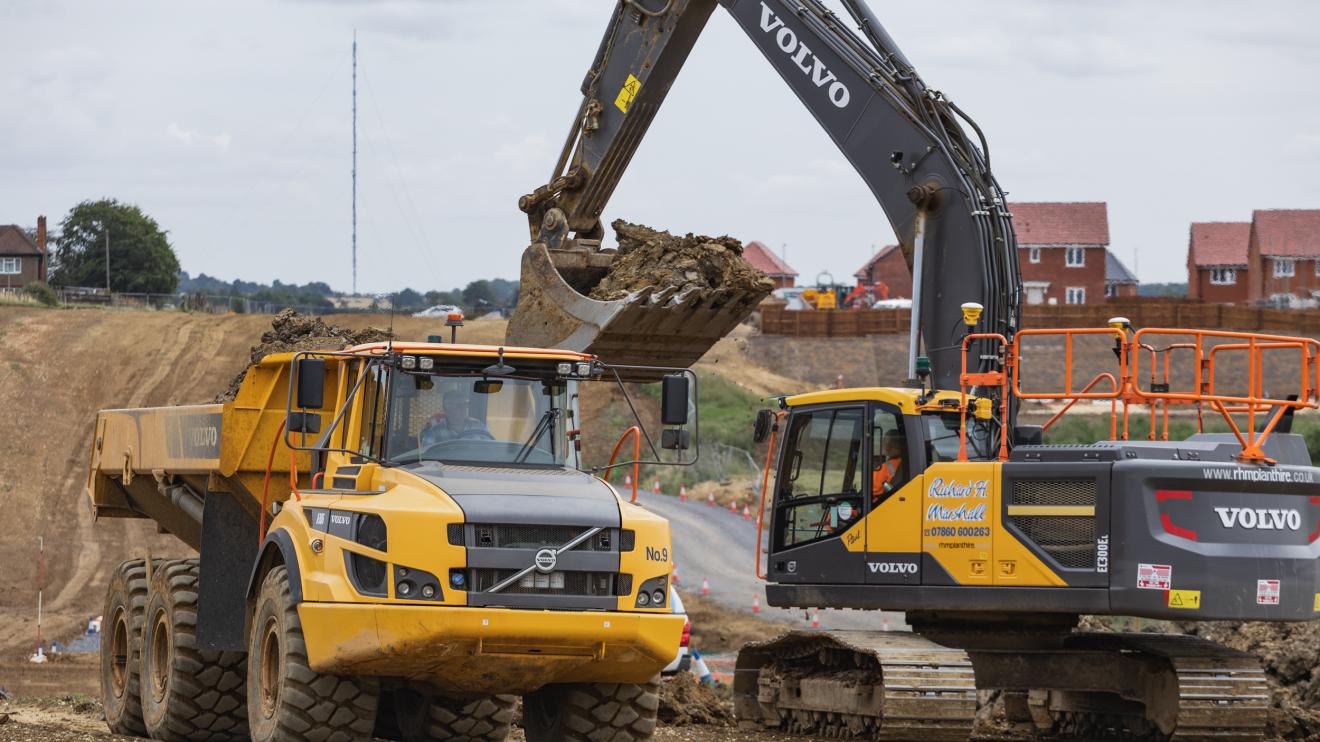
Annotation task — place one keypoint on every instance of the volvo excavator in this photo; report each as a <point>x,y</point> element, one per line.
<point>928,496</point>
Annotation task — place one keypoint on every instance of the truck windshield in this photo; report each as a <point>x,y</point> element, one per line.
<point>466,418</point>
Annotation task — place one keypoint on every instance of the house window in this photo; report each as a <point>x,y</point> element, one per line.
<point>11,266</point>
<point>1228,276</point>
<point>1033,255</point>
<point>1076,295</point>
<point>1285,267</point>
<point>1075,257</point>
<point>1111,290</point>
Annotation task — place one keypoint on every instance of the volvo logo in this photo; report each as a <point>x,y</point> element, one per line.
<point>803,58</point>
<point>893,568</point>
<point>546,560</point>
<point>1260,519</point>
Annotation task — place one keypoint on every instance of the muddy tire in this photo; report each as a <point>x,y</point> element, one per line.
<point>423,717</point>
<point>286,699</point>
<point>592,712</point>
<point>121,646</point>
<point>187,694</point>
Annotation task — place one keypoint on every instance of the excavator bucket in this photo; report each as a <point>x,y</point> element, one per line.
<point>652,326</point>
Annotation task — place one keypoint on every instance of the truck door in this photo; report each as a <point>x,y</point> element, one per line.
<point>893,522</point>
<point>819,498</point>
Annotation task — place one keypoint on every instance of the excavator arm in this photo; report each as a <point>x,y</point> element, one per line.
<point>909,143</point>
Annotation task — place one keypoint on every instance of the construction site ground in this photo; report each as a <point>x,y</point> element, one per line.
<point>58,367</point>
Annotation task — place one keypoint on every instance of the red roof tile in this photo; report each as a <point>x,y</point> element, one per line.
<point>1077,223</point>
<point>861,272</point>
<point>1220,243</point>
<point>1288,232</point>
<point>764,259</point>
<point>14,241</point>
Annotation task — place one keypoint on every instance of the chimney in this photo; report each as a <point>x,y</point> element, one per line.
<point>41,245</point>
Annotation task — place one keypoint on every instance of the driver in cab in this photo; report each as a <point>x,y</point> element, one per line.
<point>888,474</point>
<point>454,423</point>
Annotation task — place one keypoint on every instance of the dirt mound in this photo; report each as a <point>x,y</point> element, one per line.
<point>716,628</point>
<point>649,257</point>
<point>1290,654</point>
<point>291,331</point>
<point>684,701</point>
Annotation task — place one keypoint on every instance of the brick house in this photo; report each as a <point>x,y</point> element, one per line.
<point>1217,261</point>
<point>888,267</point>
<point>1120,283</point>
<point>1283,255</point>
<point>1062,249</point>
<point>22,259</point>
<point>764,259</point>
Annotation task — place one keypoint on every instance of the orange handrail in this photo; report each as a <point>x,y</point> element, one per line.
<point>765,483</point>
<point>636,433</point>
<point>1129,347</point>
<point>1103,376</point>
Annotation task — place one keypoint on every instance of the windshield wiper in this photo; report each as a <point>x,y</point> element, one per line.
<point>546,422</point>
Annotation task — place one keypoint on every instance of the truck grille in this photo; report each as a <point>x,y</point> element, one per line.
<point>555,583</point>
<point>499,536</point>
<point>1068,539</point>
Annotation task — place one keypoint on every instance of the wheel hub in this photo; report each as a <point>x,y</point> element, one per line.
<point>119,653</point>
<point>269,677</point>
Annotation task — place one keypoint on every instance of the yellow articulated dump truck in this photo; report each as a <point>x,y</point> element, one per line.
<point>395,540</point>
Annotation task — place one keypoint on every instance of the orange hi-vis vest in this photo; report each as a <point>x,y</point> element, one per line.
<point>883,478</point>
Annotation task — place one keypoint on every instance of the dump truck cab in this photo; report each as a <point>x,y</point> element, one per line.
<point>422,512</point>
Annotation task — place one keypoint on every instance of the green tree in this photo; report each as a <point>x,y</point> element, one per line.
<point>141,259</point>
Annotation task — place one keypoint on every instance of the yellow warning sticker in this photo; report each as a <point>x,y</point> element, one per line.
<point>1190,599</point>
<point>627,93</point>
<point>1316,607</point>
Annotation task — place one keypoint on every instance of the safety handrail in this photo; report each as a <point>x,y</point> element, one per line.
<point>1102,376</point>
<point>636,434</point>
<point>1129,347</point>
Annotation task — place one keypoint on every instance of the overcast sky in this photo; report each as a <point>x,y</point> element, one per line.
<point>229,122</point>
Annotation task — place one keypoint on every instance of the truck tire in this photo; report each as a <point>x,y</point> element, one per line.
<point>424,717</point>
<point>187,694</point>
<point>286,699</point>
<point>592,712</point>
<point>121,645</point>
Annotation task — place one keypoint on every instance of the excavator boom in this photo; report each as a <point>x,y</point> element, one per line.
<point>908,143</point>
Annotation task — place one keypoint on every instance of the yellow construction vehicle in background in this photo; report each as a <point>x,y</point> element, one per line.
<point>395,539</point>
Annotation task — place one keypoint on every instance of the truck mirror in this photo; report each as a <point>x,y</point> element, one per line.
<point>487,386</point>
<point>761,429</point>
<point>674,400</point>
<point>303,422</point>
<point>675,439</point>
<point>311,383</point>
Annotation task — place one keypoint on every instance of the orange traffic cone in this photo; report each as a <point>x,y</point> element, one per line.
<point>673,576</point>
<point>627,480</point>
<point>815,619</point>
<point>884,622</point>
<point>747,513</point>
<point>705,586</point>
<point>733,507</point>
<point>710,499</point>
<point>655,487</point>
<point>682,492</point>
<point>756,605</point>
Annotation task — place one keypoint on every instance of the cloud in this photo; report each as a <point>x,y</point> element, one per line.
<point>189,137</point>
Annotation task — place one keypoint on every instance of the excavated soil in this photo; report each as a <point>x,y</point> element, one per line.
<point>718,629</point>
<point>684,701</point>
<point>290,332</point>
<point>654,258</point>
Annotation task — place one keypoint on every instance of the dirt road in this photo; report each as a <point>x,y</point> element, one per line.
<point>713,543</point>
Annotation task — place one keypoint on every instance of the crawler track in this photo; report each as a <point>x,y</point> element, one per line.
<point>857,684</point>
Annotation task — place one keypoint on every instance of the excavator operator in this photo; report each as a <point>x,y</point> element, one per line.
<point>888,474</point>
<point>455,422</point>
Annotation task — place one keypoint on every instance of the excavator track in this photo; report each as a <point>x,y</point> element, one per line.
<point>1222,693</point>
<point>857,684</point>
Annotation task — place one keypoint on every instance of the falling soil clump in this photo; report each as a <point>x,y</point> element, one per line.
<point>650,258</point>
<point>684,701</point>
<point>291,331</point>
